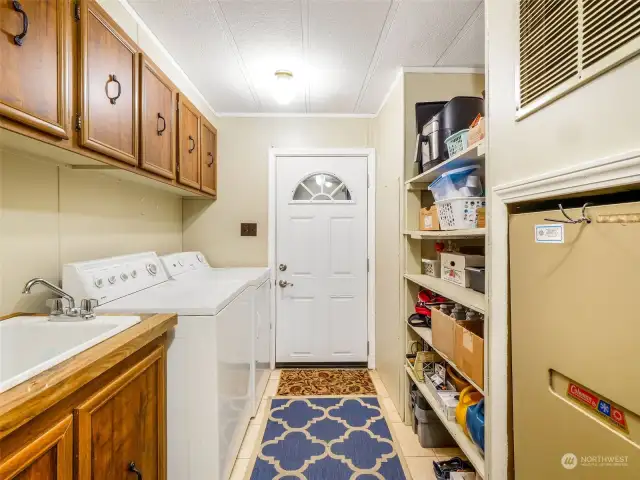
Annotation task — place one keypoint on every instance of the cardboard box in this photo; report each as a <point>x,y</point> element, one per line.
<point>429,219</point>
<point>469,349</point>
<point>476,132</point>
<point>443,333</point>
<point>481,214</point>
<point>453,267</point>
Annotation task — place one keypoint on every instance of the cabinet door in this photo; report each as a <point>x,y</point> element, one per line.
<point>47,457</point>
<point>209,164</point>
<point>121,429</point>
<point>189,143</point>
<point>157,127</point>
<point>109,87</point>
<point>34,49</point>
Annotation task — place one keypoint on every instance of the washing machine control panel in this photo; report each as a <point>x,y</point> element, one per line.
<point>183,262</point>
<point>112,278</point>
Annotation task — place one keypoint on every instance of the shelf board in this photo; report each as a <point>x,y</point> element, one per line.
<point>469,233</point>
<point>425,334</point>
<point>473,453</point>
<point>472,155</point>
<point>465,296</point>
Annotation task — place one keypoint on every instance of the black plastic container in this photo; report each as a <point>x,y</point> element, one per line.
<point>476,278</point>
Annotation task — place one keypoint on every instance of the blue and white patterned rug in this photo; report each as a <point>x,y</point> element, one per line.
<point>327,438</point>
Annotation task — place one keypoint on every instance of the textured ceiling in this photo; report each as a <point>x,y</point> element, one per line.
<point>344,54</point>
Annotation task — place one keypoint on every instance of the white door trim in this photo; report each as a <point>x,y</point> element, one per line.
<point>609,172</point>
<point>274,153</point>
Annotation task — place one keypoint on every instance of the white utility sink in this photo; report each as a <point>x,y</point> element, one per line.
<point>30,345</point>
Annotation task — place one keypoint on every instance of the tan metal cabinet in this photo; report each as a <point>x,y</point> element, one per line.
<point>574,344</point>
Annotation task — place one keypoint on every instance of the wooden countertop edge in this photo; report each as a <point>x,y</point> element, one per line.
<point>27,400</point>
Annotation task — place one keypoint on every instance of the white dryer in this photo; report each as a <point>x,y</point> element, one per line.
<point>193,266</point>
<point>209,381</point>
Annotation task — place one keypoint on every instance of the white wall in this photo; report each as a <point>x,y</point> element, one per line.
<point>51,215</point>
<point>596,121</point>
<point>243,151</point>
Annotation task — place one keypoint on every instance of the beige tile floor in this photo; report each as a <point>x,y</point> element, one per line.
<point>419,460</point>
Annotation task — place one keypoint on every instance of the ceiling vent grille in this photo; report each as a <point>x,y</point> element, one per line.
<point>565,43</point>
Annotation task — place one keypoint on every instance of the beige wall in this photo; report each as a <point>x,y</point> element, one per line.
<point>388,139</point>
<point>429,87</point>
<point>51,215</point>
<point>214,228</point>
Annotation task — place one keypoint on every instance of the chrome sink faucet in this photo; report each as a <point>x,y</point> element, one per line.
<point>56,307</point>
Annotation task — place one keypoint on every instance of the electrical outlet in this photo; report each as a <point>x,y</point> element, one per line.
<point>248,229</point>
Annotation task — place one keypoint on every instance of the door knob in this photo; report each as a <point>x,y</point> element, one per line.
<point>282,267</point>
<point>284,284</point>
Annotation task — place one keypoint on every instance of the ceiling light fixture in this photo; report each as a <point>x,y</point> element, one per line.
<point>283,90</point>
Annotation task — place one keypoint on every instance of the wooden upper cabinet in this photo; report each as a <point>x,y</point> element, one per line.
<point>158,120</point>
<point>188,143</point>
<point>109,86</point>
<point>47,457</point>
<point>122,428</point>
<point>34,64</point>
<point>209,154</point>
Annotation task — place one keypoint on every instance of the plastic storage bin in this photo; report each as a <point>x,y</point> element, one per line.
<point>476,278</point>
<point>457,142</point>
<point>459,213</point>
<point>459,182</point>
<point>431,267</point>
<point>431,432</point>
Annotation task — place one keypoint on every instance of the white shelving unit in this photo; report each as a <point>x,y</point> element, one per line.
<point>474,155</point>
<point>473,453</point>
<point>464,296</point>
<point>421,244</point>
<point>426,335</point>
<point>446,234</point>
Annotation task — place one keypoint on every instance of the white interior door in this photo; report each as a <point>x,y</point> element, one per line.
<point>321,253</point>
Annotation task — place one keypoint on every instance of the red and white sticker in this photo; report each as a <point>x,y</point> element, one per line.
<point>614,415</point>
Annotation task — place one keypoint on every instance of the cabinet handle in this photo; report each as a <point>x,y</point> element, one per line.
<point>112,78</point>
<point>191,140</point>
<point>133,469</point>
<point>164,125</point>
<point>18,39</point>
<point>209,164</point>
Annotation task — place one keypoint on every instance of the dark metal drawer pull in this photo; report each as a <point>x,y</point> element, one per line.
<point>191,149</point>
<point>133,469</point>
<point>112,78</point>
<point>18,39</point>
<point>164,125</point>
<point>210,164</point>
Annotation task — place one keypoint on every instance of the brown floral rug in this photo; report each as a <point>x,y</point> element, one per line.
<point>304,382</point>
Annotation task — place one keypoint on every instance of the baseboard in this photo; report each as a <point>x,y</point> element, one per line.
<point>321,365</point>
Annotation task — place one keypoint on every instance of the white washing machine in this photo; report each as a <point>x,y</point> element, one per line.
<point>193,266</point>
<point>209,383</point>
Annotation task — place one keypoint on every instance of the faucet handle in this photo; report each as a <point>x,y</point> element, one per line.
<point>86,307</point>
<point>56,306</point>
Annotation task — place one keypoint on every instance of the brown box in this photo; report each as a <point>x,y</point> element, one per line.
<point>481,213</point>
<point>469,349</point>
<point>443,332</point>
<point>429,219</point>
<point>476,132</point>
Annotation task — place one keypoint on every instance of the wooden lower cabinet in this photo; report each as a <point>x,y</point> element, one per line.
<point>48,456</point>
<point>121,429</point>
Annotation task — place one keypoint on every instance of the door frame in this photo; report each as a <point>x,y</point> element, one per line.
<point>618,170</point>
<point>369,153</point>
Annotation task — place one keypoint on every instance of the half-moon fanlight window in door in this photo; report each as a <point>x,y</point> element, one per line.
<point>321,187</point>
